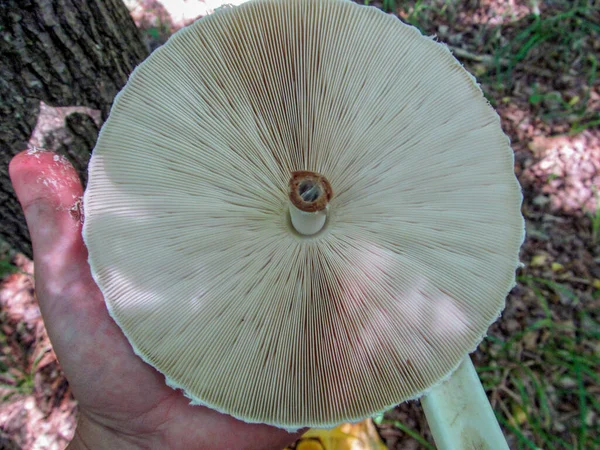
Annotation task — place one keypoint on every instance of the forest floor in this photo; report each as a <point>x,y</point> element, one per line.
<point>537,63</point>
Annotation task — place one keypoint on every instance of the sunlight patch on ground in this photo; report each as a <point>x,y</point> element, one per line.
<point>568,168</point>
<point>181,12</point>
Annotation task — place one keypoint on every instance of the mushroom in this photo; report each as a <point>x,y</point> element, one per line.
<point>303,212</point>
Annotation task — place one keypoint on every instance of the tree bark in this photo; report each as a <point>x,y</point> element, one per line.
<point>64,53</point>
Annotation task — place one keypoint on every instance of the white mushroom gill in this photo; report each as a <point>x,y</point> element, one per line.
<point>188,212</point>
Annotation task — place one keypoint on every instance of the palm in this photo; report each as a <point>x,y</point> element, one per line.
<point>114,387</point>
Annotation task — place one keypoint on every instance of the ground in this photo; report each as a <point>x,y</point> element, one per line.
<point>537,64</point>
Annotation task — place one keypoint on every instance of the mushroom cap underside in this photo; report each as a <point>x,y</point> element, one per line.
<point>189,236</point>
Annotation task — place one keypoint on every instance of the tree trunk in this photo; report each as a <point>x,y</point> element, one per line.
<point>64,53</point>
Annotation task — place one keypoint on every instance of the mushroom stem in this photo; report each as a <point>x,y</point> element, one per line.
<point>459,413</point>
<point>309,195</point>
<point>307,223</point>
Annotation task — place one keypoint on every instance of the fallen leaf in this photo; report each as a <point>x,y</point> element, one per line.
<point>519,414</point>
<point>539,260</point>
<point>530,340</point>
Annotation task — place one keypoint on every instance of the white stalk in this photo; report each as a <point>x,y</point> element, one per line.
<point>307,223</point>
<point>459,414</point>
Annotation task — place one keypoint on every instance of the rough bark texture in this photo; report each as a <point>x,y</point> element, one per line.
<point>64,53</point>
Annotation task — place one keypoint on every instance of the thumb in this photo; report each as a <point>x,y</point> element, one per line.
<point>82,333</point>
<point>49,191</point>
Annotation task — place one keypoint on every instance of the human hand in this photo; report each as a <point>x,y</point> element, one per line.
<point>123,402</point>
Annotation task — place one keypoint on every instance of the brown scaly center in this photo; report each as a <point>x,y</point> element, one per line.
<point>309,191</point>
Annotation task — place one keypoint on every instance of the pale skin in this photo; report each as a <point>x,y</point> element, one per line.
<point>123,402</point>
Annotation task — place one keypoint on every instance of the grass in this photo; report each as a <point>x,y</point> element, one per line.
<point>565,29</point>
<point>595,218</point>
<point>410,432</point>
<point>560,42</point>
<point>6,266</point>
<point>539,372</point>
<point>14,380</point>
<point>387,5</point>
<point>557,43</point>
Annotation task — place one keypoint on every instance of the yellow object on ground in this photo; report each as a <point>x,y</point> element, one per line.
<point>348,436</point>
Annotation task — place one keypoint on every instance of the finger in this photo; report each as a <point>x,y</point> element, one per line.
<point>76,318</point>
<point>49,191</point>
